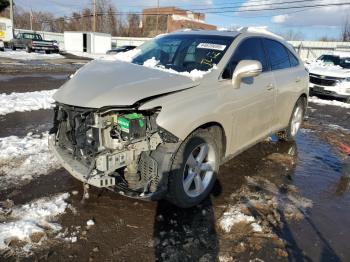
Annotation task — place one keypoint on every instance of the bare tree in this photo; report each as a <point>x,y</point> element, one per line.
<point>4,4</point>
<point>108,20</point>
<point>133,27</point>
<point>292,35</point>
<point>346,30</point>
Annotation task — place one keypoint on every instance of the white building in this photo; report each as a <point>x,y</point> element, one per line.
<point>87,42</point>
<point>6,33</point>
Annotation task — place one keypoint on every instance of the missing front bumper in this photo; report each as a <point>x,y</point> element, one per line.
<point>77,169</point>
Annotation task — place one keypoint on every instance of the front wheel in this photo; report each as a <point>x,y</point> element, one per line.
<point>194,168</point>
<point>28,49</point>
<point>295,121</point>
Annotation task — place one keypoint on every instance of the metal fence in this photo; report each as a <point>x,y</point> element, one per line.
<point>310,50</point>
<point>120,41</point>
<point>307,50</point>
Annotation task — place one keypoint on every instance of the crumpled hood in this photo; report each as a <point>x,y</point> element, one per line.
<point>114,83</point>
<point>331,71</point>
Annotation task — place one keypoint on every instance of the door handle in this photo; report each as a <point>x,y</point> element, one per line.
<point>270,87</point>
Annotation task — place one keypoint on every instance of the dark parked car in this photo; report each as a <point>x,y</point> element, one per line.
<point>123,48</point>
<point>34,42</point>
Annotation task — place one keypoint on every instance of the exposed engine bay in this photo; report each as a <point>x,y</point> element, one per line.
<point>116,147</point>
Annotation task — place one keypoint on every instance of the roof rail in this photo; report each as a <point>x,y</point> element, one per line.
<point>188,29</point>
<point>259,30</point>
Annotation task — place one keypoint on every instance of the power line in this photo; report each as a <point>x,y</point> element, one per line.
<point>257,5</point>
<point>234,10</point>
<point>209,12</point>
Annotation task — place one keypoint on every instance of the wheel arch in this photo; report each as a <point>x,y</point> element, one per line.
<point>214,127</point>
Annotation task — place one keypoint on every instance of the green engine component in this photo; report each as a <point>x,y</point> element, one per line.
<point>131,125</point>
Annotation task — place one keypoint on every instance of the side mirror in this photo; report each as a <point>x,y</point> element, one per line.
<point>246,68</point>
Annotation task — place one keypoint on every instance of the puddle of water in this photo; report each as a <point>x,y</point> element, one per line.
<point>319,176</point>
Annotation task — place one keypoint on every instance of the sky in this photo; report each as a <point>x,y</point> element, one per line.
<point>311,23</point>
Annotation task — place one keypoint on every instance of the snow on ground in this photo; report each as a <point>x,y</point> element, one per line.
<point>25,158</point>
<point>319,101</point>
<point>23,55</point>
<point>88,55</point>
<point>30,222</point>
<point>233,216</point>
<point>337,127</point>
<point>20,102</point>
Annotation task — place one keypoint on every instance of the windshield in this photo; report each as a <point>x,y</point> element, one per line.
<point>184,52</point>
<point>343,62</point>
<point>32,36</point>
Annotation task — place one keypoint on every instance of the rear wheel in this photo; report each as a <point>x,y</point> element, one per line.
<point>194,169</point>
<point>295,121</point>
<point>2,49</point>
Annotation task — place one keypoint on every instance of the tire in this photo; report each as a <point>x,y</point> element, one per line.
<point>2,49</point>
<point>47,52</point>
<point>28,49</point>
<point>13,47</point>
<point>295,121</point>
<point>194,169</point>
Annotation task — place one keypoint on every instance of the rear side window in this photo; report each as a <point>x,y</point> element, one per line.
<point>249,49</point>
<point>278,54</point>
<point>293,60</point>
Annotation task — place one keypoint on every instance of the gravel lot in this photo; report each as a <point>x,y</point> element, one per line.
<point>275,202</point>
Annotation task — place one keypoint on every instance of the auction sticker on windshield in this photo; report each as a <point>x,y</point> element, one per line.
<point>211,46</point>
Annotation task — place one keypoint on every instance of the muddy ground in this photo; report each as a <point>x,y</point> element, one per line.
<point>298,194</point>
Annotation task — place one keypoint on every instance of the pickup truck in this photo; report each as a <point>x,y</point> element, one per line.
<point>34,42</point>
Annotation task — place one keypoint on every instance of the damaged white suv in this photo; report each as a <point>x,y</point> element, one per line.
<point>161,124</point>
<point>330,76</point>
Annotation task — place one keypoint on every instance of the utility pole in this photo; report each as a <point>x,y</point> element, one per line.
<point>11,16</point>
<point>31,19</point>
<point>94,22</point>
<point>157,17</point>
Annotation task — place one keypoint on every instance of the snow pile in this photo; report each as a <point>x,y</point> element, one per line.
<point>20,102</point>
<point>321,64</point>
<point>23,55</point>
<point>127,56</point>
<point>319,101</point>
<point>90,223</point>
<point>194,74</point>
<point>234,216</point>
<point>87,55</point>
<point>30,222</point>
<point>25,158</point>
<point>340,128</point>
